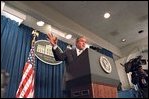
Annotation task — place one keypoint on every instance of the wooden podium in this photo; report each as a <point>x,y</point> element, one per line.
<point>86,77</point>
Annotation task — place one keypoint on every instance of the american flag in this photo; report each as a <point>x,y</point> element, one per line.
<point>26,86</point>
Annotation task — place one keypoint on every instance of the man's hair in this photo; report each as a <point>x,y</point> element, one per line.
<point>79,38</point>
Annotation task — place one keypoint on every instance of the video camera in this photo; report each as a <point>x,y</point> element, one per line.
<point>139,77</point>
<point>134,64</point>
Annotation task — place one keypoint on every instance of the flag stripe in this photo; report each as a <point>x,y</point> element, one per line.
<point>26,67</point>
<point>29,90</point>
<point>31,94</point>
<point>25,78</point>
<point>25,73</point>
<point>26,86</point>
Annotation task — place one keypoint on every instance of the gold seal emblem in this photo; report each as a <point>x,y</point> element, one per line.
<point>105,64</point>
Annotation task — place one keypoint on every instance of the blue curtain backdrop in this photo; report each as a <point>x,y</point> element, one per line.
<point>15,46</point>
<point>106,52</point>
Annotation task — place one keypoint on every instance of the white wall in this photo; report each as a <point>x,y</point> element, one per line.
<point>135,47</point>
<point>122,74</point>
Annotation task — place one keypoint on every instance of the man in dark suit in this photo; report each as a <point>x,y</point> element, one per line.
<point>69,55</point>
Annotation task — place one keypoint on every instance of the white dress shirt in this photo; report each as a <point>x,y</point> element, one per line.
<point>79,51</point>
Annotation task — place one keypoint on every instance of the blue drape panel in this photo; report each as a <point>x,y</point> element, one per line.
<point>106,52</point>
<point>15,46</point>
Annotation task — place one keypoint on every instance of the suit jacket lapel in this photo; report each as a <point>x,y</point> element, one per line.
<point>74,53</point>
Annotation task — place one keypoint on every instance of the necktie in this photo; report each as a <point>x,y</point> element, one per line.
<point>80,51</point>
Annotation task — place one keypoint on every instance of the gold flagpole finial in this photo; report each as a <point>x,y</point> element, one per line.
<point>35,34</point>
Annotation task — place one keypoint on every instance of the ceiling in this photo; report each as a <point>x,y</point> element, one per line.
<point>127,17</point>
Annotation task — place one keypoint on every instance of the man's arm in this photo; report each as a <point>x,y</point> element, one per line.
<point>58,54</point>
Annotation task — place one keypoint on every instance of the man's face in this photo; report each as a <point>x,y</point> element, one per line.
<point>81,43</point>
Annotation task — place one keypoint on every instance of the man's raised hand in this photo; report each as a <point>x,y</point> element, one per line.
<point>52,39</point>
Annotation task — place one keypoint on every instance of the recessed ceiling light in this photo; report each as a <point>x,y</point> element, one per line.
<point>40,23</point>
<point>68,36</point>
<point>141,31</point>
<point>123,40</point>
<point>106,15</point>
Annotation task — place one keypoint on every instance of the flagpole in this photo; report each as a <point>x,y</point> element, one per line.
<point>27,83</point>
<point>35,34</point>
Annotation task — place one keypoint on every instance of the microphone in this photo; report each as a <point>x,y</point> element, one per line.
<point>95,48</point>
